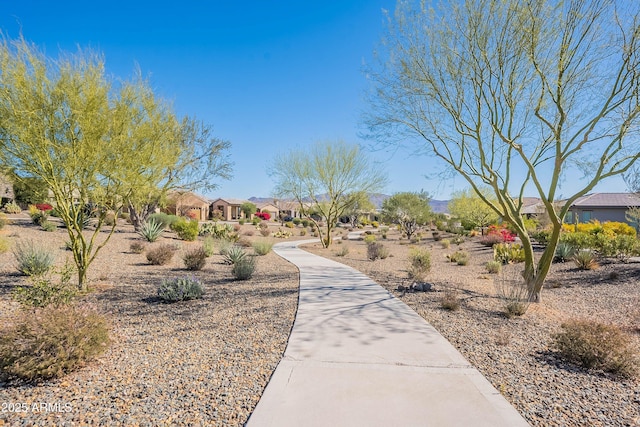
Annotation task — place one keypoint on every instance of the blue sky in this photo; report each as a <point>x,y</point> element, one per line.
<point>268,75</point>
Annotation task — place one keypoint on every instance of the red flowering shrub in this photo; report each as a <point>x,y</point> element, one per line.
<point>192,214</point>
<point>497,234</point>
<point>265,216</point>
<point>44,207</point>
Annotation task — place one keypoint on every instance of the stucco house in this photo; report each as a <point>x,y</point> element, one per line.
<point>186,203</point>
<point>603,207</point>
<point>229,208</point>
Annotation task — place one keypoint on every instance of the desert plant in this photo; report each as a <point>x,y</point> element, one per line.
<point>303,232</point>
<point>3,220</point>
<point>282,234</point>
<point>161,255</point>
<point>564,252</point>
<point>376,251</point>
<point>512,289</point>
<point>450,300</point>
<point>244,268</point>
<point>493,267</point>
<point>32,260</point>
<point>48,226</point>
<point>5,244</point>
<point>38,217</point>
<point>180,289</point>
<point>208,245</point>
<point>12,208</point>
<point>262,247</point>
<point>195,259</point>
<point>151,230</point>
<point>44,291</point>
<point>585,259</point>
<point>458,240</point>
<point>595,345</point>
<point>419,264</point>
<point>137,247</point>
<point>52,341</point>
<point>508,253</point>
<point>445,243</point>
<point>185,229</point>
<point>343,251</point>
<point>165,220</point>
<point>460,257</point>
<point>233,254</point>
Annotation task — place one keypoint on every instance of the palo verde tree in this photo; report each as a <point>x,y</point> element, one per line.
<point>361,205</point>
<point>327,179</point>
<point>409,210</point>
<point>248,209</point>
<point>514,95</point>
<point>471,209</point>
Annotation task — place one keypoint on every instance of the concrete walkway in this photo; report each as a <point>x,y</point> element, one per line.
<point>358,356</point>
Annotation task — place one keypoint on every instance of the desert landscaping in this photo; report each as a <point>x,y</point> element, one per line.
<point>207,361</point>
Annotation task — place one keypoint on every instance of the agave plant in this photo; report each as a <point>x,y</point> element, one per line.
<point>234,254</point>
<point>151,230</point>
<point>564,252</point>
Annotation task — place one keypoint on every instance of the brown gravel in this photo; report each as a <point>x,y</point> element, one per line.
<point>203,362</point>
<point>514,354</point>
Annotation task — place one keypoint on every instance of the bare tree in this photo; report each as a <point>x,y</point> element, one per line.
<point>514,95</point>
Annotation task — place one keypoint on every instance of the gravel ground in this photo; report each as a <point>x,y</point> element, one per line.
<point>514,354</point>
<point>203,362</point>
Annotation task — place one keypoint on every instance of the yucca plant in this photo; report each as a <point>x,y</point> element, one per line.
<point>234,254</point>
<point>32,260</point>
<point>585,259</point>
<point>151,230</point>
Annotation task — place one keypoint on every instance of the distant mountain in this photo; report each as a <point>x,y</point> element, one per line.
<point>438,206</point>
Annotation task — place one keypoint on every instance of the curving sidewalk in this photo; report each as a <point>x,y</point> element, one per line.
<point>358,356</point>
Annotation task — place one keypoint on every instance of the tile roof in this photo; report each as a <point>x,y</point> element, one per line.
<point>611,200</point>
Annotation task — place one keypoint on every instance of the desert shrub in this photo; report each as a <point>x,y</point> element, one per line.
<point>343,251</point>
<point>491,239</point>
<point>12,208</point>
<point>32,259</point>
<point>512,289</point>
<point>195,259</point>
<point>151,230</point>
<point>241,221</point>
<point>375,224</point>
<point>185,229</point>
<point>180,289</point>
<point>256,221</point>
<point>493,267</point>
<point>48,226</point>
<point>458,240</point>
<point>369,238</point>
<point>419,264</point>
<point>541,236</point>
<point>208,246</point>
<point>223,246</point>
<point>3,221</point>
<point>44,291</point>
<point>110,219</point>
<point>621,246</point>
<point>38,217</point>
<point>248,233</point>
<point>450,300</point>
<point>296,221</point>
<point>165,220</point>
<point>376,251</point>
<point>282,234</point>
<point>244,268</point>
<point>460,257</point>
<point>289,224</point>
<point>303,232</point>
<point>137,247</point>
<point>595,345</point>
<point>5,244</point>
<point>507,253</point>
<point>237,227</point>
<point>233,254</point>
<point>262,247</point>
<point>161,255</point>
<point>578,240</point>
<point>564,252</point>
<point>586,259</point>
<point>436,236</point>
<point>52,341</point>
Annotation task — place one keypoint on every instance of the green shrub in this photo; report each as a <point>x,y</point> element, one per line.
<point>244,268</point>
<point>541,236</point>
<point>52,341</point>
<point>208,246</point>
<point>186,230</point>
<point>579,240</point>
<point>585,259</point>
<point>595,345</point>
<point>180,289</point>
<point>460,257</point>
<point>165,220</point>
<point>48,226</point>
<point>241,221</point>
<point>507,253</point>
<point>289,224</point>
<point>376,251</point>
<point>151,230</point>
<point>161,255</point>
<point>450,300</point>
<point>620,246</point>
<point>296,221</point>
<point>137,247</point>
<point>262,247</point>
<point>32,260</point>
<point>564,252</point>
<point>419,264</point>
<point>233,255</point>
<point>303,232</point>
<point>493,267</point>
<point>38,217</point>
<point>12,208</point>
<point>195,259</point>
<point>43,291</point>
<point>445,243</point>
<point>369,239</point>
<point>5,244</point>
<point>215,230</point>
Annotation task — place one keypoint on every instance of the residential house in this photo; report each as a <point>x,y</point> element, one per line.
<point>227,209</point>
<point>268,207</point>
<point>186,203</point>
<point>602,207</point>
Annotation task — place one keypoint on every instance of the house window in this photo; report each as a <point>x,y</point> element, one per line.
<point>568,219</point>
<point>586,216</point>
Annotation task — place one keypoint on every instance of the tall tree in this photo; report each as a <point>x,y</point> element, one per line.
<point>467,206</point>
<point>409,210</point>
<point>362,205</point>
<point>514,95</point>
<point>327,179</point>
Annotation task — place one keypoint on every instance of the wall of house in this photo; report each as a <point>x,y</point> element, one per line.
<point>601,214</point>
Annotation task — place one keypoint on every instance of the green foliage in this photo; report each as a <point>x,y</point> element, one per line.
<point>161,255</point>
<point>541,236</point>
<point>471,210</point>
<point>52,341</point>
<point>151,230</point>
<point>185,229</point>
<point>180,289</point>
<point>507,253</point>
<point>137,247</point>
<point>244,268</point>
<point>162,219</point>
<point>595,345</point>
<point>48,226</point>
<point>12,208</point>
<point>28,191</point>
<point>38,217</point>
<point>419,264</point>
<point>208,246</point>
<point>33,260</point>
<point>376,251</point>
<point>369,238</point>
<point>586,259</point>
<point>5,244</point>
<point>195,259</point>
<point>460,257</point>
<point>262,247</point>
<point>282,234</point>
<point>564,252</point>
<point>233,254</point>
<point>248,209</point>
<point>493,267</point>
<point>409,210</point>
<point>43,291</point>
<point>216,230</point>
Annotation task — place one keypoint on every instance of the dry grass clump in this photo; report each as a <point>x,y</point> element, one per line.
<point>419,264</point>
<point>195,259</point>
<point>450,300</point>
<point>137,247</point>
<point>595,345</point>
<point>376,251</point>
<point>493,267</point>
<point>513,291</point>
<point>262,247</point>
<point>51,341</point>
<point>161,255</point>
